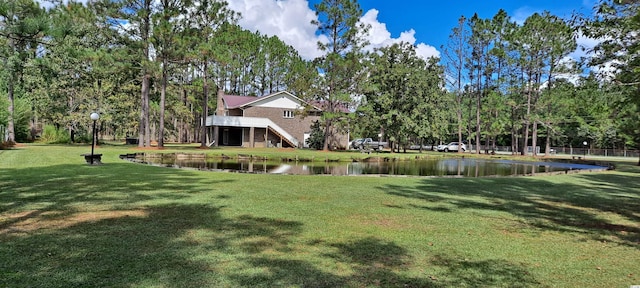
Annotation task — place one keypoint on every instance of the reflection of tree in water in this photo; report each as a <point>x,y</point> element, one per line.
<point>468,167</point>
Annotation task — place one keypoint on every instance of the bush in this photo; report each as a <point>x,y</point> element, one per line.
<point>316,139</point>
<point>53,135</point>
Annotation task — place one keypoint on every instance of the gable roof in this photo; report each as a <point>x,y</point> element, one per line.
<point>235,101</point>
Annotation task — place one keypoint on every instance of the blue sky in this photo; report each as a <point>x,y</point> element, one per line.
<point>423,23</point>
<point>433,20</point>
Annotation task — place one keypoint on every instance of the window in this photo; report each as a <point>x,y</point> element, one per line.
<point>287,114</point>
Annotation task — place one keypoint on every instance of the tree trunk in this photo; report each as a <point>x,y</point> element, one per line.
<point>525,138</point>
<point>163,92</point>
<point>327,127</point>
<point>183,127</point>
<point>144,113</point>
<point>515,142</point>
<point>328,123</point>
<point>11,137</point>
<point>478,103</point>
<point>534,138</point>
<point>205,108</point>
<point>527,122</point>
<point>147,123</point>
<point>458,113</point>
<point>547,147</point>
<point>144,139</point>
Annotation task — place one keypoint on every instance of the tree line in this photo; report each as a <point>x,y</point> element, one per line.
<point>517,85</point>
<point>149,68</point>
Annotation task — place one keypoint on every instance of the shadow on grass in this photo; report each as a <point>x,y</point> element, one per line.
<point>486,273</point>
<point>172,246</point>
<point>57,187</point>
<point>595,205</point>
<point>373,262</point>
<point>150,235</point>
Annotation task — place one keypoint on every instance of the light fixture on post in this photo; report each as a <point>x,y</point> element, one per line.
<point>94,116</point>
<point>584,150</point>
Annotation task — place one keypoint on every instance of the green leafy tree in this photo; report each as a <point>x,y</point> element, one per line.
<point>204,21</point>
<point>167,40</point>
<point>316,138</point>
<point>455,55</point>
<point>402,94</point>
<point>549,40</point>
<point>479,67</point>
<point>133,20</point>
<point>341,65</point>
<point>79,72</point>
<point>23,25</point>
<point>617,24</point>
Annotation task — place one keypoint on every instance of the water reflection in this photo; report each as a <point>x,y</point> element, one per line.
<point>454,167</point>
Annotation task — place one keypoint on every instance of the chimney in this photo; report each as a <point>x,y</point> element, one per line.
<point>220,104</point>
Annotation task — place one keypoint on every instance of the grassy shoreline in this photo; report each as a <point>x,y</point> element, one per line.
<point>64,224</point>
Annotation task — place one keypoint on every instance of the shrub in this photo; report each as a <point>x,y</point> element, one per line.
<point>316,139</point>
<point>53,135</point>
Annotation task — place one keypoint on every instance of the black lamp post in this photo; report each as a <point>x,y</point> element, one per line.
<point>584,150</point>
<point>94,116</point>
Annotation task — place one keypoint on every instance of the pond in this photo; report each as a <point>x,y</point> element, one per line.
<point>435,167</point>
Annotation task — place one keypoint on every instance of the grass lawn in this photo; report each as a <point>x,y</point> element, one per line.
<point>67,224</point>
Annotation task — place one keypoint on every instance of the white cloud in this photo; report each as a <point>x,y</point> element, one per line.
<point>379,36</point>
<point>48,4</point>
<point>585,47</point>
<point>290,20</point>
<point>521,14</point>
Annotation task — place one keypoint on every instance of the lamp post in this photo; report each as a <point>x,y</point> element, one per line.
<point>584,150</point>
<point>94,116</point>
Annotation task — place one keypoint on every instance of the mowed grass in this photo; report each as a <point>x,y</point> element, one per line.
<point>67,224</point>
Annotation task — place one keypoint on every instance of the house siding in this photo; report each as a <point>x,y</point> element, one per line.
<point>296,126</point>
<point>272,108</point>
<point>234,112</point>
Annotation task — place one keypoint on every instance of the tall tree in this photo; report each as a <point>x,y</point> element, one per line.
<point>561,40</point>
<point>480,67</point>
<point>167,30</point>
<point>617,24</point>
<point>23,23</point>
<point>74,75</point>
<point>402,92</point>
<point>531,52</point>
<point>455,56</point>
<point>133,19</point>
<point>204,21</point>
<point>338,20</point>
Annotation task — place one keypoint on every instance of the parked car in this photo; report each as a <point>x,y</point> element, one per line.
<point>453,146</point>
<point>368,143</point>
<point>355,144</point>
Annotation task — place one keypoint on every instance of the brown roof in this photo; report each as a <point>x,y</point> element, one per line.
<point>233,101</point>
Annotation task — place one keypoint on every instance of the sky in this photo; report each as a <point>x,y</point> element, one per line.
<point>426,24</point>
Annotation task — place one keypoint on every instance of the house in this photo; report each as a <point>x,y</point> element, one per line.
<point>274,120</point>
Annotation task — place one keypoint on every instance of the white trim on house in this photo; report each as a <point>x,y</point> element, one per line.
<point>267,101</point>
<point>256,122</point>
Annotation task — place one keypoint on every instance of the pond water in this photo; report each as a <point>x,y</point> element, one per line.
<point>436,167</point>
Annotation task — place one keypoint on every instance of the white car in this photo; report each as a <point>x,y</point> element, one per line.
<point>453,146</point>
